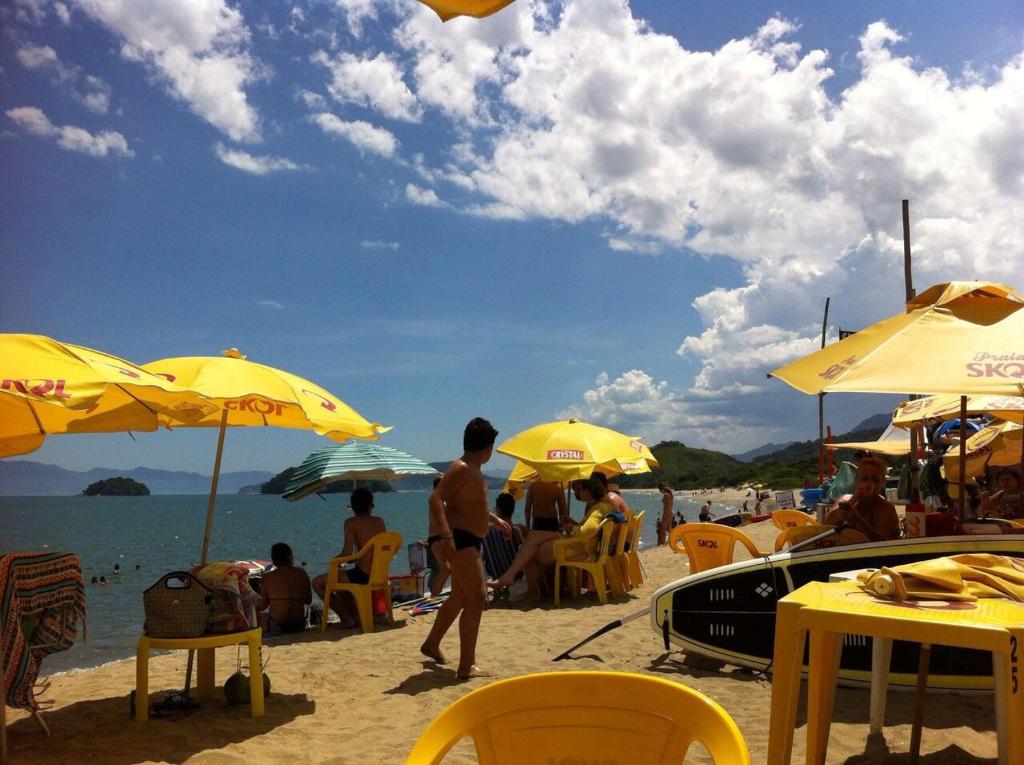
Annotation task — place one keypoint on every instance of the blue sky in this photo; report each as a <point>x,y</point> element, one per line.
<point>625,212</point>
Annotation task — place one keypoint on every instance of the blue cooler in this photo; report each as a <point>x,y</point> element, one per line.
<point>810,497</point>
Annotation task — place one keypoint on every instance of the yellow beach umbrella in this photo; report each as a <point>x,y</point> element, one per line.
<point>256,395</point>
<point>947,407</point>
<point>523,475</point>
<point>956,337</point>
<point>999,444</point>
<point>449,9</point>
<point>48,387</point>
<point>568,450</point>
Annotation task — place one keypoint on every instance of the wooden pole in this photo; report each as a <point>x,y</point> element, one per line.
<point>211,505</point>
<point>908,288</point>
<point>821,405</point>
<point>962,509</point>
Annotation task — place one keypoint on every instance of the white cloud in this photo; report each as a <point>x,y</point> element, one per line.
<point>375,83</point>
<point>376,244</point>
<point>257,165</point>
<point>198,47</point>
<point>270,304</point>
<point>356,12</point>
<point>63,13</point>
<point>102,144</point>
<point>90,91</point>
<point>363,135</point>
<point>635,245</point>
<point>310,99</point>
<point>421,196</point>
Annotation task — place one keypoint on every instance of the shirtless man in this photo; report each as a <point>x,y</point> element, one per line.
<point>545,506</point>
<point>459,509</point>
<point>359,529</point>
<point>667,499</point>
<point>284,593</point>
<point>867,510</point>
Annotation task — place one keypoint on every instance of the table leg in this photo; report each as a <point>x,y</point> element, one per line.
<point>142,683</point>
<point>786,666</point>
<point>881,658</point>
<point>205,672</point>
<point>922,689</point>
<point>255,678</point>
<point>1009,671</point>
<point>826,648</point>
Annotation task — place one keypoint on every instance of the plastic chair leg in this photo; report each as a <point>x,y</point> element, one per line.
<point>142,681</point>
<point>205,673</point>
<point>600,585</point>
<point>364,603</point>
<point>881,656</point>
<point>786,667</point>
<point>558,586</point>
<point>255,678</point>
<point>826,648</point>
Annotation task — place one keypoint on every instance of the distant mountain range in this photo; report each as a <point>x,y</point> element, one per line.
<point>768,448</point>
<point>23,478</point>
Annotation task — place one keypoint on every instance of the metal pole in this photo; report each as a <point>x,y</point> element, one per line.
<point>908,286</point>
<point>821,405</point>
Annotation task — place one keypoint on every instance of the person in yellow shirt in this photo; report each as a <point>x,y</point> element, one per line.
<point>538,549</point>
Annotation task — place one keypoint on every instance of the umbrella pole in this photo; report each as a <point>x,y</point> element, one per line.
<point>212,504</point>
<point>962,510</point>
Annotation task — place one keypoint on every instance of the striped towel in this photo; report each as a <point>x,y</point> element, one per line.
<point>41,601</point>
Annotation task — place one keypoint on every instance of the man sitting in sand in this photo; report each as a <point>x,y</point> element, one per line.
<point>459,508</point>
<point>359,529</point>
<point>545,506</point>
<point>538,549</point>
<point>867,510</point>
<point>284,594</point>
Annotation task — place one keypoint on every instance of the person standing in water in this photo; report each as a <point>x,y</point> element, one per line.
<point>667,500</point>
<point>459,508</point>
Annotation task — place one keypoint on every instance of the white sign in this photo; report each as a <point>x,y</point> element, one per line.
<point>784,499</point>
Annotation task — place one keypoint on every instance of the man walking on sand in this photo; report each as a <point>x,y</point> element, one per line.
<point>459,508</point>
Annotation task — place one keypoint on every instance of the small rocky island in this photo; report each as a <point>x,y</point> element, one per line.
<point>116,487</point>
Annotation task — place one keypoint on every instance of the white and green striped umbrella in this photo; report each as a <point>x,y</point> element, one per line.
<point>352,461</point>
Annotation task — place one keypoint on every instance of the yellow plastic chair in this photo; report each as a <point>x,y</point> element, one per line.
<point>785,519</point>
<point>594,565</point>
<point>604,717</point>
<point>205,646</point>
<point>384,545</point>
<point>709,545</point>
<point>617,567</point>
<point>636,571</point>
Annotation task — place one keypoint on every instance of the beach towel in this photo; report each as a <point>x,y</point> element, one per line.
<point>42,602</point>
<point>956,577</point>
<point>234,601</point>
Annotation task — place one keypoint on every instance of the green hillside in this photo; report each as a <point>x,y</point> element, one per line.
<point>683,467</point>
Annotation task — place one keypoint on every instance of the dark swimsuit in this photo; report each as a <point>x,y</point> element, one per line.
<point>357,576</point>
<point>463,539</point>
<point>546,524</point>
<point>434,538</point>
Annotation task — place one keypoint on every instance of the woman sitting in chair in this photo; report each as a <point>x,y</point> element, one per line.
<point>359,529</point>
<point>867,510</point>
<point>538,549</point>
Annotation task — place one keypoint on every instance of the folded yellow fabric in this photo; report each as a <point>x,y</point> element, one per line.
<point>957,577</point>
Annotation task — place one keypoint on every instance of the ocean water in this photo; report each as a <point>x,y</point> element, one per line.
<point>150,536</point>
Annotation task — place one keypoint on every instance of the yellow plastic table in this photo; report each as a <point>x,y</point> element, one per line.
<point>825,612</point>
<point>205,646</point>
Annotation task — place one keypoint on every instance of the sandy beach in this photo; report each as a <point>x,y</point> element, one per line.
<point>353,698</point>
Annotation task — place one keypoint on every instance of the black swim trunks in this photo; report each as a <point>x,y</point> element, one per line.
<point>462,539</point>
<point>434,538</point>
<point>546,524</point>
<point>357,576</point>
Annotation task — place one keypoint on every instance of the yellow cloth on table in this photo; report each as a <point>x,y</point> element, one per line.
<point>957,577</point>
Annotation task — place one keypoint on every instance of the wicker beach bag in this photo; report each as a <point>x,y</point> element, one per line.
<point>179,610</point>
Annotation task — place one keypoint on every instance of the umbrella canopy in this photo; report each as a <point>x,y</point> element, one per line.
<point>449,9</point>
<point>252,394</point>
<point>522,474</point>
<point>893,441</point>
<point>998,444</point>
<point>48,387</point>
<point>568,450</point>
<point>352,461</point>
<point>910,413</point>
<point>955,337</point>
